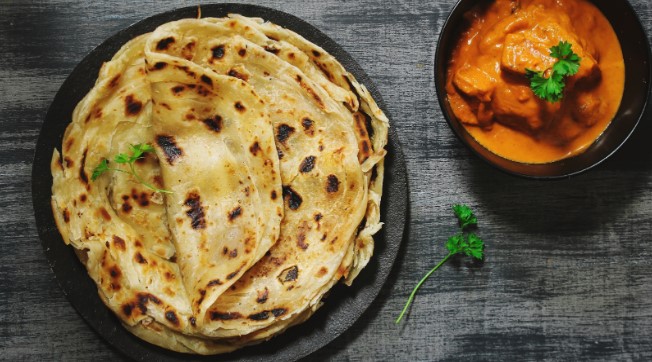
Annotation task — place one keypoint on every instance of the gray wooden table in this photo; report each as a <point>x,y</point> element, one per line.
<point>568,272</point>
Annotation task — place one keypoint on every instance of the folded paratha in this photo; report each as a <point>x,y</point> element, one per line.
<point>273,157</point>
<point>215,137</point>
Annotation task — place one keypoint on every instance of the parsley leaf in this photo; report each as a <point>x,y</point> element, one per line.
<point>551,88</point>
<point>561,50</point>
<point>460,243</point>
<point>100,169</point>
<point>464,215</point>
<point>474,247</point>
<point>137,152</point>
<point>454,243</point>
<point>568,63</point>
<point>566,67</point>
<point>121,158</point>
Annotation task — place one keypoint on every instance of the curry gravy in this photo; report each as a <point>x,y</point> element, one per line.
<point>490,94</point>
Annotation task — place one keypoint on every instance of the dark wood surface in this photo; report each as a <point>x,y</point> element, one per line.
<point>568,272</point>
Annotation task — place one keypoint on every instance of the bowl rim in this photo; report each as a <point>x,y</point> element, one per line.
<point>442,98</point>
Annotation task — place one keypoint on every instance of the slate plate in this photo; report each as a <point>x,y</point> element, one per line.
<point>343,306</point>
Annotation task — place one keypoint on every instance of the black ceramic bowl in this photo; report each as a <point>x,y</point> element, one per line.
<point>638,71</point>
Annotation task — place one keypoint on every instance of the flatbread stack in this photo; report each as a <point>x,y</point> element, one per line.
<point>270,155</point>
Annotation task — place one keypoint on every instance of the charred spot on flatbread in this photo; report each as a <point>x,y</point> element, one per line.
<point>254,148</point>
<point>272,49</point>
<point>232,275</point>
<point>159,65</point>
<point>126,207</point>
<point>214,123</point>
<point>310,90</point>
<point>206,79</point>
<point>283,132</point>
<point>164,44</point>
<point>277,312</point>
<point>119,243</point>
<point>213,283</point>
<point>307,164</point>
<point>259,316</point>
<point>195,211</point>
<point>292,198</point>
<point>236,74</point>
<point>217,52</point>
<point>172,317</point>
<point>139,258</point>
<point>289,275</point>
<point>132,105</point>
<point>225,316</point>
<point>308,127</point>
<point>169,147</point>
<point>82,174</point>
<point>233,214</point>
<point>333,184</point>
<point>262,296</point>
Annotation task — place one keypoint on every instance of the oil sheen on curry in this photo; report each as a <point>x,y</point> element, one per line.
<point>490,94</point>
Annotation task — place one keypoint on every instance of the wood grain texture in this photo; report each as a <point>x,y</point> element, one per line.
<point>568,273</point>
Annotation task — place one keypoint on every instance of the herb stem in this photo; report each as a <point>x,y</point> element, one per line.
<point>146,184</point>
<point>414,291</point>
<point>116,169</point>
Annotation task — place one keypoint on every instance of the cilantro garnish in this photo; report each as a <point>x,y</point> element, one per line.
<point>137,152</point>
<point>465,243</point>
<point>549,84</point>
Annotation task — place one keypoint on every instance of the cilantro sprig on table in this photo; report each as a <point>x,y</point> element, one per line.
<point>463,242</point>
<point>137,152</point>
<point>549,84</point>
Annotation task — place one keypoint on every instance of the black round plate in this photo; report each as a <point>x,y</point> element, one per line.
<point>342,307</point>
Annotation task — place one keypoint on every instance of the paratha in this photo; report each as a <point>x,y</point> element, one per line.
<point>273,156</point>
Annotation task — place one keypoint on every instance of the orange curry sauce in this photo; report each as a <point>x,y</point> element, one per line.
<point>490,94</point>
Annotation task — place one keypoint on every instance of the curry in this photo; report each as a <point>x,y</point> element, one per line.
<point>490,94</point>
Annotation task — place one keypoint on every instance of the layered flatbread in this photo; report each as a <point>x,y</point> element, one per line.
<point>271,156</point>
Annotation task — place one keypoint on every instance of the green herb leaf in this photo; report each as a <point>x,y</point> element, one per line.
<point>460,243</point>
<point>561,50</point>
<point>464,215</point>
<point>454,243</point>
<point>100,169</point>
<point>474,246</point>
<point>121,158</point>
<point>566,67</point>
<point>551,88</point>
<point>568,63</point>
<point>137,152</point>
<point>146,147</point>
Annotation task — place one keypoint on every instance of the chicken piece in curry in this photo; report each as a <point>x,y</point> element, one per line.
<point>490,94</point>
